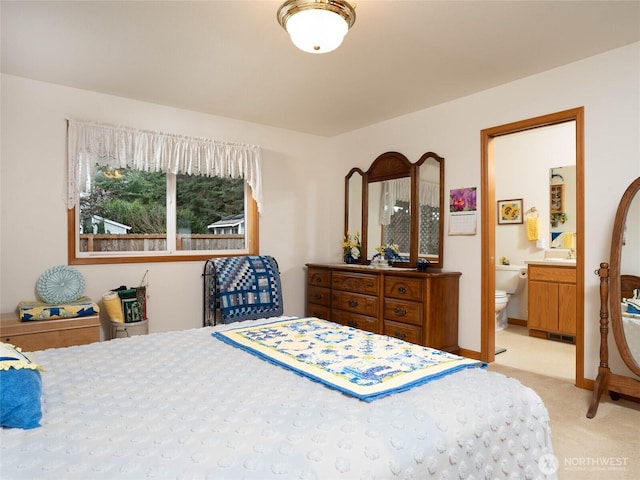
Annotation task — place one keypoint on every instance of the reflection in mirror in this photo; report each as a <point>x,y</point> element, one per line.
<point>630,278</point>
<point>389,215</point>
<point>562,207</point>
<point>353,201</point>
<point>395,215</point>
<point>430,178</point>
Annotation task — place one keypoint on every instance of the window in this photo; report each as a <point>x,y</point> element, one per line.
<point>123,214</point>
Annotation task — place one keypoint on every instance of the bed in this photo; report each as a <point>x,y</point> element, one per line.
<point>187,405</point>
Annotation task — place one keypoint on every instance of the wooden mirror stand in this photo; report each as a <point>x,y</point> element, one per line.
<point>614,287</point>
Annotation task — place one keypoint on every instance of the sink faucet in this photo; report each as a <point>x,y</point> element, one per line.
<point>572,253</point>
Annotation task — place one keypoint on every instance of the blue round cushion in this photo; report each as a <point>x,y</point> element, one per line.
<point>60,284</point>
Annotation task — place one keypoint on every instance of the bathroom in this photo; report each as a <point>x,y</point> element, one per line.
<point>536,167</point>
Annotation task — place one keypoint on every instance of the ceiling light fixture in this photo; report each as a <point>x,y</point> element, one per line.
<point>317,26</point>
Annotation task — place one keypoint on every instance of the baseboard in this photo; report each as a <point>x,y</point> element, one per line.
<point>517,321</point>
<point>469,354</point>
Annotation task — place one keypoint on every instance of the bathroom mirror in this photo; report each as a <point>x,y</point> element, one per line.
<point>562,206</point>
<point>401,203</point>
<point>625,276</point>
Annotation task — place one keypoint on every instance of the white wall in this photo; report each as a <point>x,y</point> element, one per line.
<point>607,85</point>
<point>33,222</point>
<point>304,181</point>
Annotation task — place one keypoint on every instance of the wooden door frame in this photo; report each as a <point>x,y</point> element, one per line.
<point>488,212</point>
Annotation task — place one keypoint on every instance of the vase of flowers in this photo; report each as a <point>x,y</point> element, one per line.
<point>558,218</point>
<point>351,247</point>
<point>388,252</point>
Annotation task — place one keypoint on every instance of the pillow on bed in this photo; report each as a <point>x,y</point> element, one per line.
<point>20,389</point>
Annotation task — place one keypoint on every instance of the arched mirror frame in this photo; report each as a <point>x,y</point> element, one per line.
<point>416,227</point>
<point>611,287</point>
<point>390,166</point>
<point>615,276</point>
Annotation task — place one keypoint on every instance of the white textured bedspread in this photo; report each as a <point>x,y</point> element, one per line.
<point>184,405</point>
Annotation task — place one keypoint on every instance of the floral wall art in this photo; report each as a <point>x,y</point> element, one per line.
<point>462,211</point>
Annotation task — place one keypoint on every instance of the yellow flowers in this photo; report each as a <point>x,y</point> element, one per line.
<point>351,245</point>
<point>510,211</point>
<point>389,251</point>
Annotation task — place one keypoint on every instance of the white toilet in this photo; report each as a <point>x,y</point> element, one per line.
<point>510,280</point>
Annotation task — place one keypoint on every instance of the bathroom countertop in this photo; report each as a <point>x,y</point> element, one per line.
<point>553,262</point>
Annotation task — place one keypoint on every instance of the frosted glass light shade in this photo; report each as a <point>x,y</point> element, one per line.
<point>317,31</point>
<point>317,26</point>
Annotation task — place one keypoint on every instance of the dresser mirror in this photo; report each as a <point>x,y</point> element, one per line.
<point>353,201</point>
<point>618,281</point>
<point>399,203</point>
<point>431,207</point>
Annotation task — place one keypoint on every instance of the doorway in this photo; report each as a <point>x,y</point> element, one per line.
<point>488,197</point>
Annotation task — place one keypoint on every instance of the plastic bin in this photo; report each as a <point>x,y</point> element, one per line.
<point>121,330</point>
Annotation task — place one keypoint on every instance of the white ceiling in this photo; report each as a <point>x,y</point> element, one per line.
<point>232,58</point>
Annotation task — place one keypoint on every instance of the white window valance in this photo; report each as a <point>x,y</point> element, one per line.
<point>90,143</point>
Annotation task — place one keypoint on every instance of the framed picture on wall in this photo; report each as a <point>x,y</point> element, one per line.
<point>509,211</point>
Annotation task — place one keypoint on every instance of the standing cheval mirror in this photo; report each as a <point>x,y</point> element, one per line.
<point>620,281</point>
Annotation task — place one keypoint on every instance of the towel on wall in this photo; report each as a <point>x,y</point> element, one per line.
<point>568,240</point>
<point>533,228</point>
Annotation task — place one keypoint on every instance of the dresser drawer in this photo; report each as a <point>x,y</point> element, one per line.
<point>408,333</point>
<point>319,277</point>
<point>321,296</point>
<point>405,288</point>
<point>401,311</point>
<point>355,303</point>
<point>361,322</point>
<point>356,282</point>
<point>319,311</point>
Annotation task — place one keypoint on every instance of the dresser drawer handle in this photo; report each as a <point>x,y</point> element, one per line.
<point>352,323</point>
<point>400,312</point>
<point>402,290</point>
<point>317,279</point>
<point>400,335</point>
<point>352,303</point>
<point>317,296</point>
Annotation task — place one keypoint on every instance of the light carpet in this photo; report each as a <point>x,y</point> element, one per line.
<point>604,447</point>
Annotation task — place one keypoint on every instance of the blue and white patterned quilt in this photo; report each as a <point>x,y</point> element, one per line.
<point>248,287</point>
<point>362,364</point>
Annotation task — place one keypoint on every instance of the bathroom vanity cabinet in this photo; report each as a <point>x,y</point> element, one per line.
<point>552,301</point>
<point>419,307</point>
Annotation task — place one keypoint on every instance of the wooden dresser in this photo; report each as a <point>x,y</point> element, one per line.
<point>419,307</point>
<point>42,334</point>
